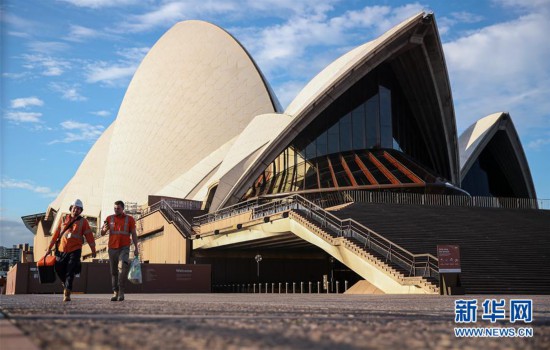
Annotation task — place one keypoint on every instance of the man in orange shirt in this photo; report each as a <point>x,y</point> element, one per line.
<point>70,246</point>
<point>120,227</point>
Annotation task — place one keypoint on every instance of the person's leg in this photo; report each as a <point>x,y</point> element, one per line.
<point>125,266</point>
<point>61,268</point>
<point>72,265</point>
<point>113,262</point>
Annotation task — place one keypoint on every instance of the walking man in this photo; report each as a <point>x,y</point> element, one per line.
<point>74,229</point>
<point>120,227</point>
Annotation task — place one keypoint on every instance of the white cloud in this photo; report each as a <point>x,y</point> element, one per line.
<point>101,3</point>
<point>68,92</point>
<point>503,67</point>
<point>20,34</point>
<point>117,73</point>
<point>287,8</point>
<point>49,66</point>
<point>70,151</point>
<point>23,117</point>
<point>16,75</point>
<point>538,143</point>
<point>286,45</point>
<point>8,183</point>
<point>169,12</point>
<point>47,47</point>
<point>25,102</point>
<point>76,131</point>
<point>445,23</point>
<point>102,113</point>
<point>79,33</point>
<point>14,20</point>
<point>14,232</point>
<point>523,4</point>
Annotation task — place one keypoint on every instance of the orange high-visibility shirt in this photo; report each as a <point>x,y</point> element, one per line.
<point>120,230</point>
<point>74,237</point>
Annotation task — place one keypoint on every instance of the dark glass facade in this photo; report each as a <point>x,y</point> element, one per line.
<point>372,115</point>
<point>496,171</point>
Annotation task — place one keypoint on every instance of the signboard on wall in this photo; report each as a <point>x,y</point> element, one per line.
<point>448,257</point>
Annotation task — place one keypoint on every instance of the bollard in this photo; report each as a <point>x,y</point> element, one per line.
<point>345,286</point>
<point>272,288</point>
<point>337,287</point>
<point>279,287</point>
<point>254,288</point>
<point>286,287</point>
<point>318,287</point>
<point>259,287</point>
<point>293,287</point>
<point>266,287</point>
<point>309,287</point>
<point>301,287</point>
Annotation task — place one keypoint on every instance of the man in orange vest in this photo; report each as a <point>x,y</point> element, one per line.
<point>70,246</point>
<point>120,227</point>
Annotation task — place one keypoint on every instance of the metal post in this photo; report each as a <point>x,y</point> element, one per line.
<point>272,287</point>
<point>309,287</point>
<point>337,287</point>
<point>293,287</point>
<point>286,287</point>
<point>318,287</point>
<point>345,286</point>
<point>254,288</point>
<point>301,287</point>
<point>279,287</point>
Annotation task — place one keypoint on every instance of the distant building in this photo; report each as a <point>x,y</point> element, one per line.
<point>14,254</point>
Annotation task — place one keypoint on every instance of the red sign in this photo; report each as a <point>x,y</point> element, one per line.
<point>448,257</point>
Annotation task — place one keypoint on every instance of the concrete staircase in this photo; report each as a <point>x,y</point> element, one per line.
<point>396,272</point>
<point>503,251</point>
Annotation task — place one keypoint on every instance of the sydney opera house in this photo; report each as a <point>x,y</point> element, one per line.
<point>355,183</point>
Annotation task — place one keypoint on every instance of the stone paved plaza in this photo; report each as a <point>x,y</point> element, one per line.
<point>252,321</point>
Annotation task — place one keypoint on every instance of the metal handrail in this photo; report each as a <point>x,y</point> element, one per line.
<point>442,200</point>
<point>172,215</point>
<point>416,264</point>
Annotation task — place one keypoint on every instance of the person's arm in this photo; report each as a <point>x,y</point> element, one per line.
<point>86,229</point>
<point>54,238</point>
<point>134,236</point>
<point>105,227</point>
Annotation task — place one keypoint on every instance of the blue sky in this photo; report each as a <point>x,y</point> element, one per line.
<point>66,64</point>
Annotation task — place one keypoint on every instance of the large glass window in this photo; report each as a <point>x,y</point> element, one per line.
<point>345,133</point>
<point>333,139</point>
<point>386,139</point>
<point>373,115</point>
<point>372,122</point>
<point>358,127</point>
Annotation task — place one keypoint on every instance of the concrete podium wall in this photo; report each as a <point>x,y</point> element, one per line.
<point>96,278</point>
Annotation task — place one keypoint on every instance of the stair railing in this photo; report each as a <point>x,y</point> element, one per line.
<point>416,264</point>
<point>173,216</point>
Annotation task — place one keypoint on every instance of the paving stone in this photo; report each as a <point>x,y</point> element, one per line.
<point>258,321</point>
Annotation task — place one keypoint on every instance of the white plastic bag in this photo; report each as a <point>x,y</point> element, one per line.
<point>134,275</point>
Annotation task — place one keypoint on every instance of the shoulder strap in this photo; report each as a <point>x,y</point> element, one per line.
<point>65,230</point>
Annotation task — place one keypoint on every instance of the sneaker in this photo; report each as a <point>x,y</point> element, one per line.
<point>121,296</point>
<point>115,296</point>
